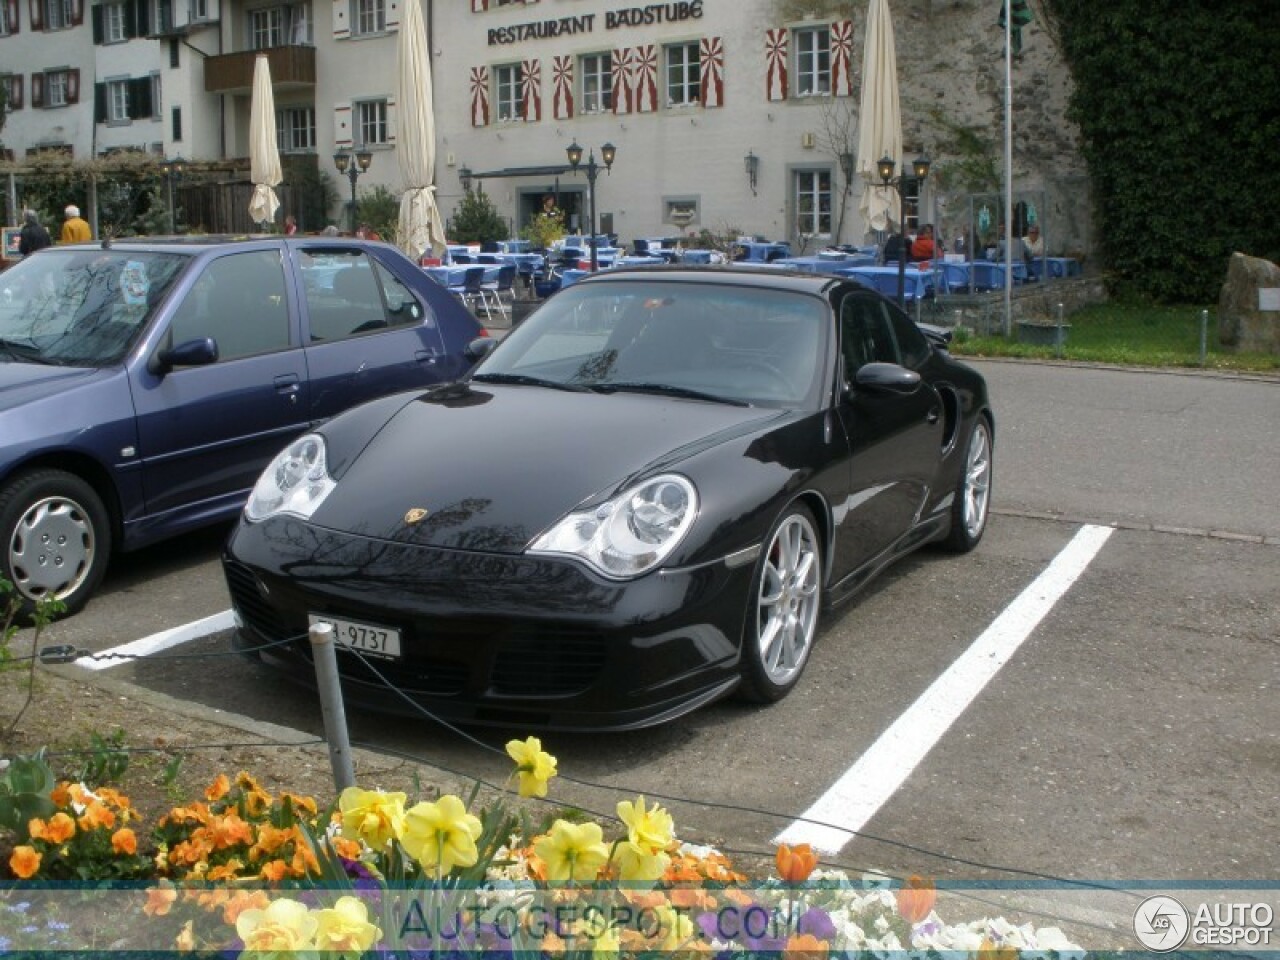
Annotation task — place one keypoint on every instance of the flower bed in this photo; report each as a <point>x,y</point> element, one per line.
<point>243,871</point>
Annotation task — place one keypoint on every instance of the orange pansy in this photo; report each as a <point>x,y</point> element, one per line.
<point>24,862</point>
<point>159,900</point>
<point>96,815</point>
<point>218,789</point>
<point>61,795</point>
<point>806,946</point>
<point>274,871</point>
<point>59,829</point>
<point>123,841</point>
<point>244,900</point>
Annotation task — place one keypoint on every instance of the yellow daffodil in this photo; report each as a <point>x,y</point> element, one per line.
<point>284,925</point>
<point>676,929</point>
<point>441,835</point>
<point>534,766</point>
<point>651,830</point>
<point>638,865</point>
<point>573,851</point>
<point>345,927</point>
<point>373,816</point>
<point>606,945</point>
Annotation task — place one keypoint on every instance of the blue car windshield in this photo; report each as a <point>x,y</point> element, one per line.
<point>81,308</point>
<point>739,344</point>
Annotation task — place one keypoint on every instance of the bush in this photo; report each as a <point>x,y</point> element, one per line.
<point>476,220</point>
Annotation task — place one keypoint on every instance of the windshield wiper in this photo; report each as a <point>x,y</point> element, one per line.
<point>526,380</point>
<point>666,389</point>
<point>25,352</point>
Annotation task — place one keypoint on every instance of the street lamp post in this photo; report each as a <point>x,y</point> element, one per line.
<point>172,169</point>
<point>920,169</point>
<point>607,152</point>
<point>351,167</point>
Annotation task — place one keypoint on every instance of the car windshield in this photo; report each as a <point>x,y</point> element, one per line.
<point>677,337</point>
<point>80,308</point>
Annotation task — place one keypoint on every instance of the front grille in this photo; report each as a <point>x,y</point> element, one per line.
<point>547,662</point>
<point>255,610</point>
<point>416,674</point>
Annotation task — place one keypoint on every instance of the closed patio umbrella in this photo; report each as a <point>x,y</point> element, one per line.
<point>420,226</point>
<point>264,157</point>
<point>880,117</point>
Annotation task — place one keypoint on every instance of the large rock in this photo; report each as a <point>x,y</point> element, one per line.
<point>1249,306</point>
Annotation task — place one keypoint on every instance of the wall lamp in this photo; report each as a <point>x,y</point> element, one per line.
<point>752,164</point>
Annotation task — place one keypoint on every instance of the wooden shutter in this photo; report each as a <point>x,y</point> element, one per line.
<point>77,12</point>
<point>15,92</point>
<point>73,85</point>
<point>141,18</point>
<point>99,103</point>
<point>96,19</point>
<point>775,53</point>
<point>562,87</point>
<point>343,125</point>
<point>391,119</point>
<point>531,92</point>
<point>341,19</point>
<point>37,23</point>
<point>842,58</point>
<point>37,90</point>
<point>711,61</point>
<point>480,96</point>
<point>14,23</point>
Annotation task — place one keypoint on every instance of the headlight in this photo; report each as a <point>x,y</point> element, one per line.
<point>296,481</point>
<point>630,534</point>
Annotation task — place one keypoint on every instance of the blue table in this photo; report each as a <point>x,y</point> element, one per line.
<point>763,252</point>
<point>1057,266</point>
<point>639,261</point>
<point>916,284</point>
<point>569,277</point>
<point>514,246</point>
<point>526,264</point>
<point>454,276</point>
<point>827,264</point>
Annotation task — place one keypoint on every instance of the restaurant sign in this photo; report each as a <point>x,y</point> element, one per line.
<point>645,16</point>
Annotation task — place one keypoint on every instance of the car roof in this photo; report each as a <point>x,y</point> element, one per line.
<point>195,243</point>
<point>772,278</point>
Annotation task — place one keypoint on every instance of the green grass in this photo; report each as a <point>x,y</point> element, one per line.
<point>1128,335</point>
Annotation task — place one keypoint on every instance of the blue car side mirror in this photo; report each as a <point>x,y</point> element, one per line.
<point>191,353</point>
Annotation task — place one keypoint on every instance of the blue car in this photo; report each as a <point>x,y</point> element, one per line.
<point>144,385</point>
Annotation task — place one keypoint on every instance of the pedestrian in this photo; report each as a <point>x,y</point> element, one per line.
<point>32,236</point>
<point>290,226</point>
<point>74,229</point>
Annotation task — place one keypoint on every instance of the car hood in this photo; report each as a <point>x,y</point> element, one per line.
<point>493,466</point>
<point>23,383</point>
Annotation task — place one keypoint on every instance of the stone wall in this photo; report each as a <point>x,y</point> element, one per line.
<point>1034,302</point>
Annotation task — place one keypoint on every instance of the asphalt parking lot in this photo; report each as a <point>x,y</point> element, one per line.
<point>1134,730</point>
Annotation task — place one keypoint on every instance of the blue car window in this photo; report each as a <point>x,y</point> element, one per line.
<point>239,300</point>
<point>347,295</point>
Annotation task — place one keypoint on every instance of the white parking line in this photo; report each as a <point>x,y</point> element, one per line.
<point>878,773</point>
<point>160,641</point>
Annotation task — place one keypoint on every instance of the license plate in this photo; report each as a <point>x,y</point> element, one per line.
<point>365,637</point>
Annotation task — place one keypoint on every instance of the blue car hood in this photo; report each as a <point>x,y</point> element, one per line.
<point>495,465</point>
<point>23,383</point>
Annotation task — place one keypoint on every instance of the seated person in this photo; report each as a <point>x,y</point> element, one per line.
<point>923,247</point>
<point>895,247</point>
<point>1033,243</point>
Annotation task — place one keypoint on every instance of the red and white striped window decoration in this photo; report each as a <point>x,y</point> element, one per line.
<point>623,95</point>
<point>842,58</point>
<point>775,52</point>
<point>479,96</point>
<point>644,78</point>
<point>531,90</point>
<point>562,82</point>
<point>711,57</point>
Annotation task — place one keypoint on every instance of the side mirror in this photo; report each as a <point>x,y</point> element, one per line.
<point>886,378</point>
<point>191,353</point>
<point>479,348</point>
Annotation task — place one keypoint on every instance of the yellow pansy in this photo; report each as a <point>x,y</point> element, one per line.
<point>345,927</point>
<point>534,766</point>
<point>441,835</point>
<point>606,945</point>
<point>371,815</point>
<point>572,851</point>
<point>284,925</point>
<point>636,864</point>
<point>651,830</point>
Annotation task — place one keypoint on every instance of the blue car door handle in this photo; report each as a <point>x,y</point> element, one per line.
<point>287,385</point>
<point>425,356</point>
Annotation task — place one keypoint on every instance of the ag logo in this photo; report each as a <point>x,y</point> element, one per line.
<point>1161,923</point>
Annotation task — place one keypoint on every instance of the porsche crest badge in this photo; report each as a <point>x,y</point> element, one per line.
<point>416,515</point>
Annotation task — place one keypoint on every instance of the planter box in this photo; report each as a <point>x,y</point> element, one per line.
<point>1042,334</point>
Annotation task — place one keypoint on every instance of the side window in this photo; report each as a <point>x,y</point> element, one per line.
<point>239,300</point>
<point>912,344</point>
<point>865,335</point>
<point>349,294</point>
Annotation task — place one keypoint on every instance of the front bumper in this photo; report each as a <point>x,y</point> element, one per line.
<point>492,638</point>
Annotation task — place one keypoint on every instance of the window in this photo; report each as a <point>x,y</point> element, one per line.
<point>371,122</point>
<point>684,75</point>
<point>113,23</point>
<point>296,129</point>
<point>173,53</point>
<point>177,124</point>
<point>239,300</point>
<point>56,83</point>
<point>348,294</point>
<point>509,80</point>
<point>59,14</point>
<point>117,101</point>
<point>266,28</point>
<point>368,16</point>
<point>597,83</point>
<point>912,345</point>
<point>813,61</point>
<point>11,84</point>
<point>813,202</point>
<point>5,28</point>
<point>865,334</point>
<point>199,9</point>
<point>156,112</point>
<point>298,22</point>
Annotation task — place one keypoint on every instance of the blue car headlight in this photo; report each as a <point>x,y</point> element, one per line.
<point>296,481</point>
<point>632,533</point>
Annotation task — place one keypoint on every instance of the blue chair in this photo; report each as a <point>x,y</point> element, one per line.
<point>504,284</point>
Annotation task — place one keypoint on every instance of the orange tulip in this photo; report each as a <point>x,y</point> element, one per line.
<point>796,863</point>
<point>806,946</point>
<point>24,863</point>
<point>123,841</point>
<point>916,898</point>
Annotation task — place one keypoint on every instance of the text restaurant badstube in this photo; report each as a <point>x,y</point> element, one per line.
<point>613,19</point>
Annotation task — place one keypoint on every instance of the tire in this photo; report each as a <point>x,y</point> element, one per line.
<point>55,538</point>
<point>786,598</point>
<point>972,502</point>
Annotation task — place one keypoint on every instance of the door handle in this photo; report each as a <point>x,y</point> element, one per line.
<point>425,356</point>
<point>287,385</point>
<point>932,416</point>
